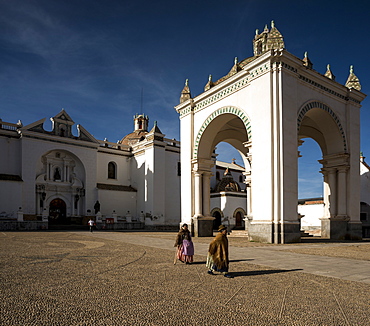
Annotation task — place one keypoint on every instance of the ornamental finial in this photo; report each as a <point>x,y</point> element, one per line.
<point>353,81</point>
<point>329,73</point>
<point>272,24</point>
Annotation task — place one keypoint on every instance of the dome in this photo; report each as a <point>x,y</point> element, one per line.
<point>134,137</point>
<point>227,183</point>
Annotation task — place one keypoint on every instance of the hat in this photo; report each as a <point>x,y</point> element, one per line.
<point>184,225</point>
<point>221,228</point>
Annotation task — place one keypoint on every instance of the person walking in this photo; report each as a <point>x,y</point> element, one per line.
<point>91,224</point>
<point>218,254</point>
<point>184,244</point>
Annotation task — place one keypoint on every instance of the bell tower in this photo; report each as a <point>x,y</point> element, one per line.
<point>141,122</point>
<point>267,40</point>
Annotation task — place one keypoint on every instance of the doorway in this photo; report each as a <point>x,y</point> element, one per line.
<point>57,212</point>
<point>217,220</point>
<point>238,221</point>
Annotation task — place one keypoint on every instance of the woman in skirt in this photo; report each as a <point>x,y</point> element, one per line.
<point>185,247</point>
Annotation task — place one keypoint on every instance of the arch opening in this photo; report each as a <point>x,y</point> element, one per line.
<point>310,186</point>
<point>218,169</point>
<point>319,125</point>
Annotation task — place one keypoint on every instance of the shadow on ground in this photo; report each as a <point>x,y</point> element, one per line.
<point>231,261</point>
<point>263,272</point>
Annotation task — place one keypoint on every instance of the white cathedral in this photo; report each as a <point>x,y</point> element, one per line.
<point>55,177</point>
<point>266,106</point>
<point>51,178</point>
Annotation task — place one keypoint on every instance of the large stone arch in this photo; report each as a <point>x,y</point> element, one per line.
<point>285,99</point>
<point>226,124</point>
<point>213,129</point>
<point>318,121</point>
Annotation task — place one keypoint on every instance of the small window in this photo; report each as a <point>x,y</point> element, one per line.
<point>217,175</point>
<point>179,168</point>
<point>240,178</point>
<point>111,170</point>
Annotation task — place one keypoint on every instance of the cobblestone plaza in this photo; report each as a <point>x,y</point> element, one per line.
<point>129,278</point>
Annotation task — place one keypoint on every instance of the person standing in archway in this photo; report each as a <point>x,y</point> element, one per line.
<point>218,254</point>
<point>184,244</point>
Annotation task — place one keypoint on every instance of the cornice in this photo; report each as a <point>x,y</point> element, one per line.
<point>269,61</point>
<point>60,140</point>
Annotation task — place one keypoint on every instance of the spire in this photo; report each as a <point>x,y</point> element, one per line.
<point>353,81</point>
<point>185,94</point>
<point>209,84</point>
<point>267,40</point>
<point>328,73</point>
<point>235,67</point>
<point>155,128</point>
<point>306,61</point>
<point>275,39</point>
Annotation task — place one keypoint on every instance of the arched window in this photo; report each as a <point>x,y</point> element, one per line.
<point>112,170</point>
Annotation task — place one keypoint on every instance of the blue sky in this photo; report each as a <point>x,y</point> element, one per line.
<point>95,59</point>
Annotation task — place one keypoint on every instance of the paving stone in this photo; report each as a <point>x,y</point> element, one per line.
<point>128,278</point>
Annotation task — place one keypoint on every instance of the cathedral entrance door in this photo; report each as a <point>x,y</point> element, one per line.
<point>238,220</point>
<point>57,212</point>
<point>217,220</point>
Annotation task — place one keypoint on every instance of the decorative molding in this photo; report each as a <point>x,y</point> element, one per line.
<point>59,141</point>
<point>230,109</point>
<point>324,88</point>
<point>185,111</point>
<point>106,186</point>
<point>222,94</point>
<point>285,65</point>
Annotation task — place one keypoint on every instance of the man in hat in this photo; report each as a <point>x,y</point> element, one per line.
<point>218,253</point>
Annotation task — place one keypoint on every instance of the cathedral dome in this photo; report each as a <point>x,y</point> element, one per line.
<point>134,137</point>
<point>141,130</point>
<point>227,183</point>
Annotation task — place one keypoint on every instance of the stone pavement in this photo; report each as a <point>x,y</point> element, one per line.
<point>272,256</point>
<point>129,278</point>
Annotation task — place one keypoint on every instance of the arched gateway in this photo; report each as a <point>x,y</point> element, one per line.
<point>266,106</point>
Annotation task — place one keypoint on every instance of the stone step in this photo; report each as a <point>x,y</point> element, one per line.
<point>238,233</point>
